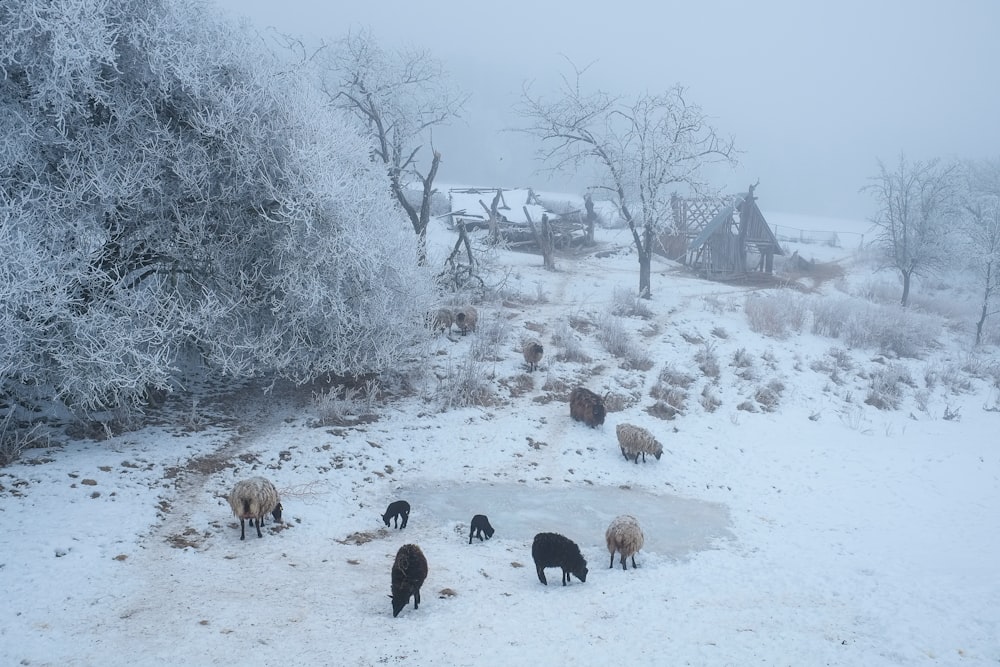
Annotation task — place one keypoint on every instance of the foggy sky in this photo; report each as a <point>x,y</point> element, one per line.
<point>812,92</point>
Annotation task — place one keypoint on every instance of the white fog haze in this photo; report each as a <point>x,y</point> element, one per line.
<point>813,93</point>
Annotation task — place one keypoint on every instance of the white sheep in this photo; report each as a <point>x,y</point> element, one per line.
<point>465,319</point>
<point>635,440</point>
<point>625,536</point>
<point>532,351</point>
<point>252,499</point>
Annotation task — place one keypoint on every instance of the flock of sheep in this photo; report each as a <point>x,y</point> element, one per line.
<point>257,497</point>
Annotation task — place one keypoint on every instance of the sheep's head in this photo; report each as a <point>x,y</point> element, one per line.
<point>599,412</point>
<point>580,572</point>
<point>276,512</point>
<point>399,600</point>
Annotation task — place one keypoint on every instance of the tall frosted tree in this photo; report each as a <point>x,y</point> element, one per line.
<point>642,150</point>
<point>168,186</point>
<point>915,208</point>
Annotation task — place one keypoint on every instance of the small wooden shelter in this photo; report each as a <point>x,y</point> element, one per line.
<point>735,242</point>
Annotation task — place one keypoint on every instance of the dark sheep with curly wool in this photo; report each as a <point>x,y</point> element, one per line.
<point>555,550</point>
<point>408,574</point>
<point>587,407</point>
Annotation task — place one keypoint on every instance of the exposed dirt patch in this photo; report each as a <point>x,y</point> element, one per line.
<point>365,537</point>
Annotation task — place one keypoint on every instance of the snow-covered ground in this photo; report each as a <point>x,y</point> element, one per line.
<point>823,532</point>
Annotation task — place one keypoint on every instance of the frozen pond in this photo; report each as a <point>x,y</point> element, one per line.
<point>673,526</point>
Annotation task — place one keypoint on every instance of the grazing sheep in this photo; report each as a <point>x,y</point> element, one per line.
<point>625,536</point>
<point>554,550</point>
<point>252,499</point>
<point>408,574</point>
<point>587,407</point>
<point>635,440</point>
<point>465,319</point>
<point>480,524</point>
<point>532,351</point>
<point>443,319</point>
<point>396,509</point>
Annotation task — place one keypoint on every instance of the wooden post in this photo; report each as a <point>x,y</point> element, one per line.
<point>543,239</point>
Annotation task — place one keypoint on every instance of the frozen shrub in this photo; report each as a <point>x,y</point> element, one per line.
<point>890,329</point>
<point>465,385</point>
<point>709,399</point>
<point>170,189</point>
<point>743,361</point>
<point>671,376</point>
<point>491,334</point>
<point>769,395</point>
<point>776,315</point>
<point>568,344</point>
<point>617,341</point>
<point>708,361</point>
<point>885,390</point>
<point>626,304</point>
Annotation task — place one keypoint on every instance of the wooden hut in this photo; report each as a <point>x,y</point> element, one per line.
<point>735,243</point>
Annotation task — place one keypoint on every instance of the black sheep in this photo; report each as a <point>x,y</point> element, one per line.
<point>587,407</point>
<point>399,508</point>
<point>480,524</point>
<point>554,550</point>
<point>408,574</point>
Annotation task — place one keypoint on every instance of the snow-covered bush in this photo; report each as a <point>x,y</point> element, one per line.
<point>168,185</point>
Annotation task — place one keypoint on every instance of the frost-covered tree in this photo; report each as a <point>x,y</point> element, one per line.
<point>915,210</point>
<point>981,204</point>
<point>167,186</point>
<point>643,150</point>
<point>399,96</point>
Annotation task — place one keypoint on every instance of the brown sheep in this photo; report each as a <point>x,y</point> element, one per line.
<point>532,351</point>
<point>587,407</point>
<point>465,319</point>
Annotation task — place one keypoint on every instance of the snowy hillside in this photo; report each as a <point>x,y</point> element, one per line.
<point>817,502</point>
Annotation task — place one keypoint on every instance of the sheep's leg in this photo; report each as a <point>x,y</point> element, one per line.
<point>259,534</point>
<point>643,457</point>
<point>612,560</point>
<point>416,599</point>
<point>565,577</point>
<point>541,574</point>
<point>406,517</point>
<point>470,535</point>
<point>624,561</point>
<point>243,529</point>
<point>633,562</point>
<point>624,454</point>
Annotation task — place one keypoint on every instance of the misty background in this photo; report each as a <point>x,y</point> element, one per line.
<point>812,93</point>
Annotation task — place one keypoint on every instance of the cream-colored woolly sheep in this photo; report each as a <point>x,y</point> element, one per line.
<point>635,440</point>
<point>465,319</point>
<point>443,319</point>
<point>252,499</point>
<point>532,351</point>
<point>625,536</point>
